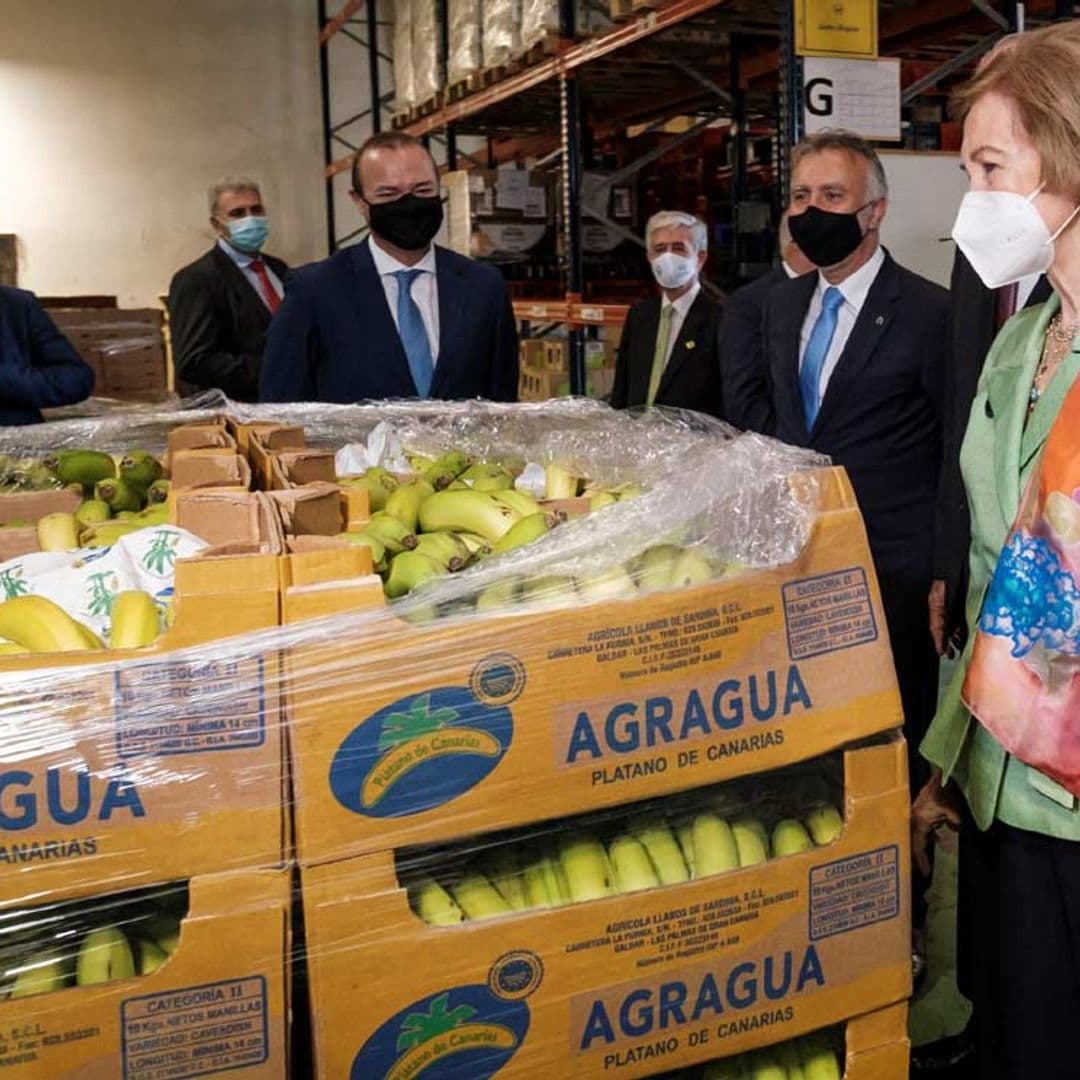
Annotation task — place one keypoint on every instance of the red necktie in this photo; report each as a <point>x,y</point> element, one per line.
<point>269,293</point>
<point>1007,296</point>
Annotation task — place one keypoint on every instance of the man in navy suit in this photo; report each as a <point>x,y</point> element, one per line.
<point>39,369</point>
<point>856,357</point>
<point>395,316</point>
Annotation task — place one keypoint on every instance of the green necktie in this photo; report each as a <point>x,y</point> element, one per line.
<point>659,360</point>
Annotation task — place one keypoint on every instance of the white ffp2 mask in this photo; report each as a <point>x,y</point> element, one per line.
<point>1004,237</point>
<point>673,271</point>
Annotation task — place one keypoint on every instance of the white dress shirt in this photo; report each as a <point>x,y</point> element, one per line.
<point>424,290</point>
<point>1024,288</point>
<point>243,260</point>
<point>855,290</point>
<point>680,308</point>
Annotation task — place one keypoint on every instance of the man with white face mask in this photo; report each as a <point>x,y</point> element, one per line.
<point>670,348</point>
<point>220,306</point>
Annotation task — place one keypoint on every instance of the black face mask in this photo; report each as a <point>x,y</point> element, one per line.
<point>825,237</point>
<point>409,223</point>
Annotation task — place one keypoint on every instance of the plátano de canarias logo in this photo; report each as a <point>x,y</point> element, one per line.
<point>420,752</point>
<point>464,1033</point>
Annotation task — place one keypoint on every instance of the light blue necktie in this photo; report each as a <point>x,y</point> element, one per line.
<point>413,334</point>
<point>817,348</point>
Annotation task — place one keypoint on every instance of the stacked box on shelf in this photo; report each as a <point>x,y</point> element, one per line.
<point>125,348</point>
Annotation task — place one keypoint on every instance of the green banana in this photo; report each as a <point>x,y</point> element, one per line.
<point>690,568</point>
<point>42,974</point>
<point>158,492</point>
<point>105,956</point>
<point>505,874</point>
<point>419,463</point>
<point>434,904</point>
<point>485,476</point>
<point>559,483</point>
<point>478,898</point>
<point>632,869</point>
<point>521,502</point>
<point>107,533</point>
<point>477,545</point>
<point>92,512</point>
<point>373,543</point>
<point>158,514</point>
<point>164,931</point>
<point>405,502</point>
<point>791,1059</point>
<point>139,469</point>
<point>39,625</point>
<point>446,469</point>
<point>715,850</point>
<point>445,547</point>
<point>763,1066</point>
<point>57,532</point>
<point>394,535</point>
<point>586,867</point>
<point>85,467</point>
<point>747,833</point>
<point>134,619</point>
<point>789,838</point>
<point>684,830</point>
<point>151,957</point>
<point>655,566</point>
<point>819,1063</point>
<point>118,494</point>
<point>728,1069</point>
<point>524,531</point>
<point>613,584</point>
<point>549,592</point>
<point>825,824</point>
<point>409,570</point>
<point>664,851</point>
<point>498,596</point>
<point>475,512</point>
<point>601,500</point>
<point>379,483</point>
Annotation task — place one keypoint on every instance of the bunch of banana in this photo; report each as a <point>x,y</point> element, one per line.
<point>134,620</point>
<point>35,624</point>
<point>574,865</point>
<point>25,474</point>
<point>105,953</point>
<point>809,1058</point>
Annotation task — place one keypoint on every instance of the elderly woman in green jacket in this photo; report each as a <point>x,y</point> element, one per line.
<point>1019,917</point>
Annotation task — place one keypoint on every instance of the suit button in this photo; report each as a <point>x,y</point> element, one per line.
<point>989,410</point>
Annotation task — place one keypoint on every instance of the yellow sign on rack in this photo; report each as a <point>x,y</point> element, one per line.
<point>845,28</point>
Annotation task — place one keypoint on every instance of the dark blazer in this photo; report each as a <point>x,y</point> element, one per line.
<point>39,368</point>
<point>691,379</point>
<point>218,324</point>
<point>334,338</point>
<point>881,417</point>
<point>974,327</point>
<point>742,362</point>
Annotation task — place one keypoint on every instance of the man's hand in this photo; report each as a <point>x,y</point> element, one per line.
<point>934,806</point>
<point>937,616</point>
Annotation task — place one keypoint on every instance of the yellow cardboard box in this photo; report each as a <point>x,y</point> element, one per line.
<point>628,985</point>
<point>220,1004</point>
<point>514,718</point>
<point>127,768</point>
<point>30,506</point>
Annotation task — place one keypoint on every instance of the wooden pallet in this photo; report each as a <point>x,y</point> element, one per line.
<point>464,87</point>
<point>539,51</point>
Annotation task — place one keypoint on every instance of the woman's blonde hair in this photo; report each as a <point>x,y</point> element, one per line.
<point>1040,72</point>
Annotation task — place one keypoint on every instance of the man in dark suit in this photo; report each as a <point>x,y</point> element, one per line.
<point>742,364</point>
<point>977,315</point>
<point>39,368</point>
<point>220,306</point>
<point>857,356</point>
<point>669,353</point>
<point>395,316</point>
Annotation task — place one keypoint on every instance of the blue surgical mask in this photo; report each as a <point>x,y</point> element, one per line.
<point>248,234</point>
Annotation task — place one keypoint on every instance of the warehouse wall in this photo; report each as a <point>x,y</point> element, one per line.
<point>116,115</point>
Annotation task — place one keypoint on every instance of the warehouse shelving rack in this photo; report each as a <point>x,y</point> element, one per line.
<point>716,61</point>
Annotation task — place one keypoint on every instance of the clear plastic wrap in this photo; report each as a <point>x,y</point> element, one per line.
<point>539,19</point>
<point>426,50</point>
<point>294,725</point>
<point>502,31</point>
<point>405,95</point>
<point>466,33</point>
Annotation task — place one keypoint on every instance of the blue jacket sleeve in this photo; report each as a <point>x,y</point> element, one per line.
<point>288,367</point>
<point>49,373</point>
<point>504,349</point>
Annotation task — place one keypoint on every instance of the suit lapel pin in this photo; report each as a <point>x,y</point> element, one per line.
<point>691,344</point>
<point>880,320</point>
